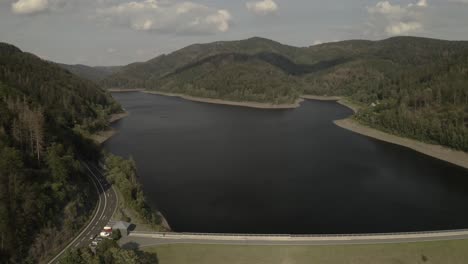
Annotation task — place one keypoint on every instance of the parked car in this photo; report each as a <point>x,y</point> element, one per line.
<point>92,237</point>
<point>94,243</point>
<point>104,234</point>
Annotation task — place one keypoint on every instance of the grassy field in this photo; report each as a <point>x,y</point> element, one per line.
<point>443,252</point>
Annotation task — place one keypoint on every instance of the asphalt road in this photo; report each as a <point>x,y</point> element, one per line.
<point>142,240</point>
<point>106,207</point>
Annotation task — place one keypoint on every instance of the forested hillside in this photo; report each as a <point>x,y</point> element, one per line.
<point>413,87</point>
<point>45,197</point>
<point>409,86</point>
<point>225,76</point>
<point>143,75</point>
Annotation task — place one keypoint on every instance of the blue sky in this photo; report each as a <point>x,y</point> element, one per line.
<point>116,32</point>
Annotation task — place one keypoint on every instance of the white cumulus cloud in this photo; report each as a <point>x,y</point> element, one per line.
<point>403,28</point>
<point>390,19</point>
<point>422,3</point>
<point>29,6</point>
<point>167,17</point>
<point>262,7</point>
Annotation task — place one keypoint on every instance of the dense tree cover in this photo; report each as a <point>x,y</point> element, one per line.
<point>141,75</point>
<point>45,195</point>
<point>419,86</point>
<point>413,87</point>
<point>231,77</point>
<point>108,252</point>
<point>68,99</point>
<point>122,174</point>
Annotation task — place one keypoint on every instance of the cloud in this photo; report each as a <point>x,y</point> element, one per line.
<point>422,3</point>
<point>29,6</point>
<point>167,17</point>
<point>403,28</point>
<point>391,20</point>
<point>264,7</point>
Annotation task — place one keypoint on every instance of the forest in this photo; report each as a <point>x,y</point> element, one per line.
<point>108,252</point>
<point>412,87</point>
<point>45,195</point>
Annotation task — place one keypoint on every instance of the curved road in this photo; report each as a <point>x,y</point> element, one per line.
<point>106,207</point>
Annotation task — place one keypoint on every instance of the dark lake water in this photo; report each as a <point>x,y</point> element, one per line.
<point>224,169</point>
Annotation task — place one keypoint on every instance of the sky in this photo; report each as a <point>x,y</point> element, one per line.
<point>119,32</point>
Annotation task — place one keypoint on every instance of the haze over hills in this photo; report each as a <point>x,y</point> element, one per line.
<point>96,74</point>
<point>417,86</point>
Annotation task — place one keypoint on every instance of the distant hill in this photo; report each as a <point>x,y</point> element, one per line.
<point>90,73</point>
<point>145,74</point>
<point>418,87</point>
<point>45,196</point>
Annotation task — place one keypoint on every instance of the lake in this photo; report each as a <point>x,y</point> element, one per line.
<point>226,169</point>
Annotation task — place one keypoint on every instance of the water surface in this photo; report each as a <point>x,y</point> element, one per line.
<point>226,169</point>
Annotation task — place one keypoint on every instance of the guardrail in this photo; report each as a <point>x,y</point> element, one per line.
<point>304,235</point>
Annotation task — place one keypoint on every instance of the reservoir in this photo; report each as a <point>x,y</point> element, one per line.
<point>226,169</point>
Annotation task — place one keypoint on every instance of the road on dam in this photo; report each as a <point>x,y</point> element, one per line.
<point>148,239</point>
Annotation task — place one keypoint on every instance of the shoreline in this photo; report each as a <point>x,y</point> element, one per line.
<point>225,102</point>
<point>340,100</point>
<point>446,154</point>
<point>116,90</point>
<point>102,136</point>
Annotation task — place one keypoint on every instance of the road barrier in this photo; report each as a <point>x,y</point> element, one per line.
<point>305,235</point>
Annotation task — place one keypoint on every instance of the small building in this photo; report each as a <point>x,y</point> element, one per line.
<point>122,226</point>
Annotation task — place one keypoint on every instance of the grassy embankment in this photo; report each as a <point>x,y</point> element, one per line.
<point>443,252</point>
